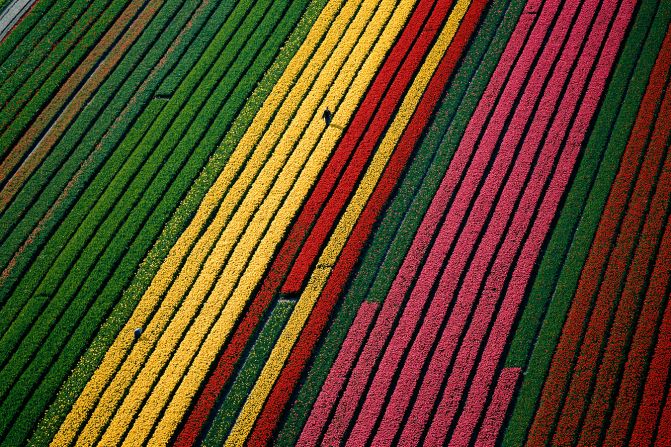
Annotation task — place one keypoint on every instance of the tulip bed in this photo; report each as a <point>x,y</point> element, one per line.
<point>579,217</point>
<point>393,217</point>
<point>93,229</point>
<point>102,66</point>
<point>184,310</point>
<point>44,15</point>
<point>95,137</point>
<point>167,237</point>
<point>52,59</point>
<point>318,285</point>
<point>607,258</point>
<point>469,248</point>
<point>242,291</point>
<point>260,301</point>
<point>451,331</point>
<point>564,282</point>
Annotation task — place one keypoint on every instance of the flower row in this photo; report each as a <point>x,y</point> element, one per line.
<point>169,192</point>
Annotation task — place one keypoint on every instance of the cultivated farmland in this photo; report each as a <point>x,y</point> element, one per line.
<point>329,222</point>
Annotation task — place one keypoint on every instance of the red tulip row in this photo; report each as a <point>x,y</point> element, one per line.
<point>363,228</point>
<point>598,261</point>
<point>651,415</point>
<point>622,307</point>
<point>395,300</point>
<point>653,321</point>
<point>285,257</point>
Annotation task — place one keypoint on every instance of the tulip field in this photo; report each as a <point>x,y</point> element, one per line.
<point>330,222</point>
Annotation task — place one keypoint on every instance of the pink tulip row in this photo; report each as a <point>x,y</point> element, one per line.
<point>338,375</point>
<point>496,411</point>
<point>410,373</point>
<point>394,302</point>
<point>321,192</point>
<point>355,244</point>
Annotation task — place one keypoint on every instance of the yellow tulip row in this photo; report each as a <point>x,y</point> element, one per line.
<point>168,342</point>
<point>80,412</point>
<point>277,173</point>
<point>277,210</point>
<point>201,300</point>
<point>336,242</point>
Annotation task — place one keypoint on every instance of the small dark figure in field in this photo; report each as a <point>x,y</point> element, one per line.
<point>327,116</point>
<point>137,332</point>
